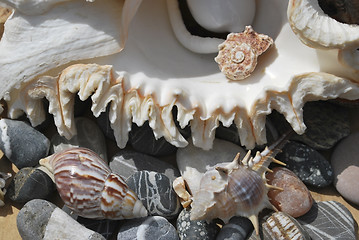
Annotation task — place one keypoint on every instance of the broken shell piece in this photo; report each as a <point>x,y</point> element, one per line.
<point>237,56</point>
<point>3,178</point>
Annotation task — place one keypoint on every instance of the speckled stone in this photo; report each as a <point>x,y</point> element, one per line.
<point>295,199</point>
<point>106,227</point>
<point>236,229</point>
<point>30,183</point>
<point>188,229</point>
<point>326,124</point>
<point>308,164</point>
<point>127,162</point>
<point>280,225</point>
<point>329,220</point>
<point>23,145</point>
<point>40,219</point>
<point>143,140</point>
<point>89,135</point>
<point>345,163</point>
<point>156,193</point>
<point>150,228</point>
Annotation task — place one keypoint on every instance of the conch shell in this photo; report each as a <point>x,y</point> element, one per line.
<point>84,53</point>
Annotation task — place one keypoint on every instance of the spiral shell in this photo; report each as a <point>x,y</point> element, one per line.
<point>237,56</point>
<point>87,186</point>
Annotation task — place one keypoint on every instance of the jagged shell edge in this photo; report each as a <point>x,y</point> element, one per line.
<point>130,106</point>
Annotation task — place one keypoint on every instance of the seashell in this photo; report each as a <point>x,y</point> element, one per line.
<point>87,186</point>
<point>155,73</point>
<point>237,188</point>
<point>237,57</point>
<point>345,11</point>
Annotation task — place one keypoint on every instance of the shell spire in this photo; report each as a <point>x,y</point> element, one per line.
<point>237,188</point>
<point>87,186</point>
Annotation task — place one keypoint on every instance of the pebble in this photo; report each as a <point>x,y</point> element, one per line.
<point>156,193</point>
<point>104,124</point>
<point>89,135</point>
<point>150,228</point>
<point>30,183</point>
<point>308,164</point>
<point>40,219</point>
<point>329,220</point>
<point>345,163</point>
<point>106,227</point>
<point>23,145</point>
<point>127,162</point>
<point>236,229</point>
<point>295,199</point>
<point>193,162</point>
<point>143,140</point>
<point>192,229</point>
<point>326,124</point>
<point>280,225</point>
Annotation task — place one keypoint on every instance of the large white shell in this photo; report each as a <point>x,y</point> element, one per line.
<point>155,72</point>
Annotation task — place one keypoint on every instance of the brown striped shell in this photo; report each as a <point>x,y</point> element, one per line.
<point>87,186</point>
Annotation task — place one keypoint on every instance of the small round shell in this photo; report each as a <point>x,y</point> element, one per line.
<point>87,186</point>
<point>237,56</point>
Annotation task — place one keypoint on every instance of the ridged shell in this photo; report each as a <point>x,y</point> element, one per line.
<point>87,186</point>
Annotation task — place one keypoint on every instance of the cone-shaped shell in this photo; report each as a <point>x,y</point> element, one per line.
<point>87,186</point>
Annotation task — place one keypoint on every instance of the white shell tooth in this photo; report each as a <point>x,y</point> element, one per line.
<point>318,30</point>
<point>87,186</point>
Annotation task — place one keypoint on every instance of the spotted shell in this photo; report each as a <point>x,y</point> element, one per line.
<point>237,56</point>
<point>237,188</point>
<point>87,186</point>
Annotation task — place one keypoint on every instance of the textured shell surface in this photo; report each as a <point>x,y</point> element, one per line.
<point>154,72</point>
<point>87,186</point>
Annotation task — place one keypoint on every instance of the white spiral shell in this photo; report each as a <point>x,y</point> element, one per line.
<point>87,186</point>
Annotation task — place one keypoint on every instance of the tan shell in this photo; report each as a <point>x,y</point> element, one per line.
<point>237,57</point>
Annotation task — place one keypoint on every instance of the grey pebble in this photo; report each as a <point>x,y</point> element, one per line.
<point>30,183</point>
<point>150,228</point>
<point>195,229</point>
<point>89,135</point>
<point>156,193</point>
<point>23,145</point>
<point>236,229</point>
<point>307,163</point>
<point>127,162</point>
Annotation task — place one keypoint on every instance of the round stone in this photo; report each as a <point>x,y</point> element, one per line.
<point>236,229</point>
<point>308,164</point>
<point>345,163</point>
<point>23,145</point>
<point>30,183</point>
<point>295,198</point>
<point>127,162</point>
<point>105,227</point>
<point>156,193</point>
<point>89,135</point>
<point>192,229</point>
<point>329,220</point>
<point>150,228</point>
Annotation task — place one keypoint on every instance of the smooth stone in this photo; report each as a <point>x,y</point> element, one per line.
<point>295,199</point>
<point>23,145</point>
<point>143,140</point>
<point>280,225</point>
<point>127,162</point>
<point>236,229</point>
<point>89,135</point>
<point>40,219</point>
<point>326,124</point>
<point>150,228</point>
<point>345,163</point>
<point>329,220</point>
<point>156,193</point>
<point>106,227</point>
<point>193,162</point>
<point>308,164</point>
<point>30,183</point>
<point>193,229</point>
